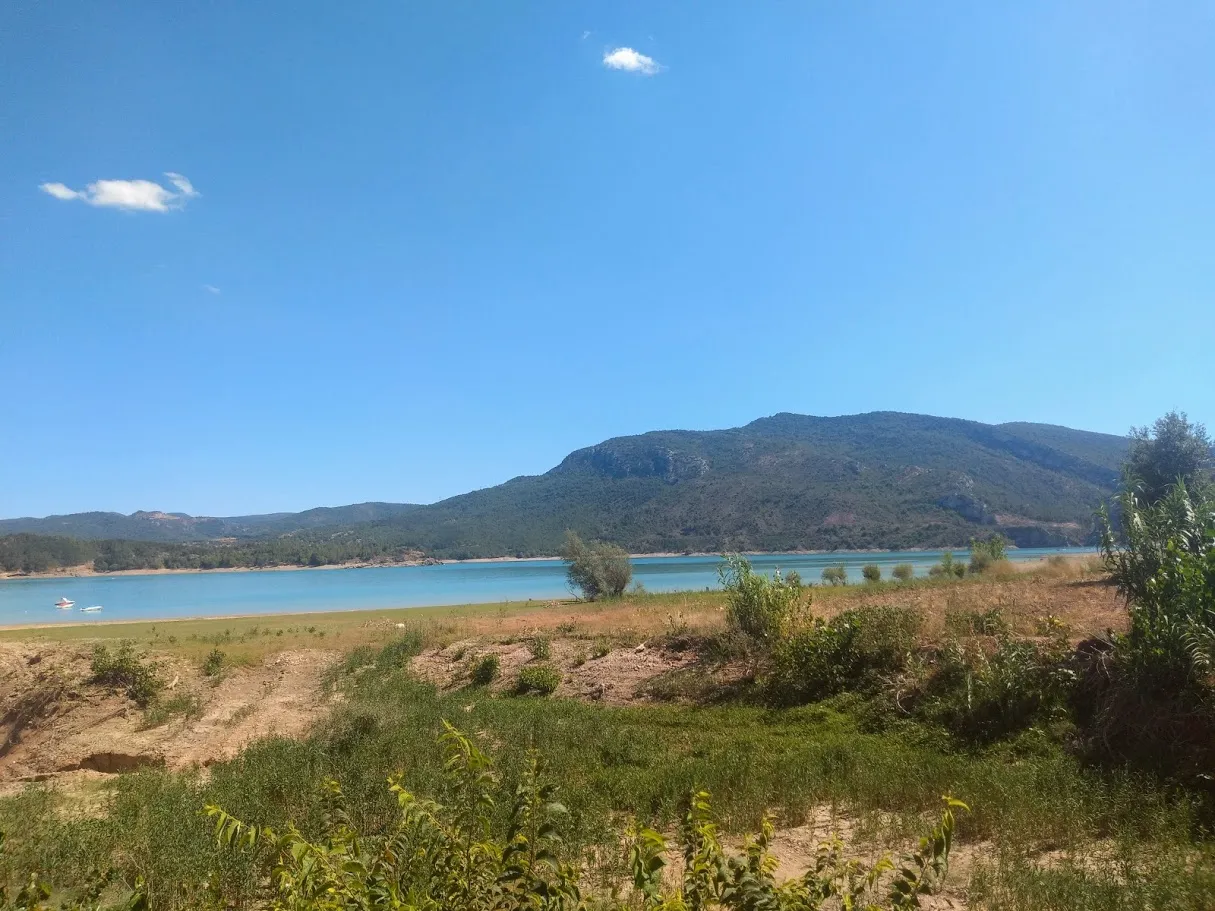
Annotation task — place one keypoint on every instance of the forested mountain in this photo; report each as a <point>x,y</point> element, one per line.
<point>880,480</point>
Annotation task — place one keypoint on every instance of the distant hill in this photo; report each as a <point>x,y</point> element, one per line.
<point>786,482</point>
<point>176,526</point>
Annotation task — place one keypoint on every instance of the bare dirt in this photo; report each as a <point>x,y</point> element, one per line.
<point>55,724</point>
<point>617,678</point>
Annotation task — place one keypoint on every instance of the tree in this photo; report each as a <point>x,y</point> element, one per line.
<point>835,575</point>
<point>984,554</point>
<point>903,572</point>
<point>872,572</point>
<point>596,570</point>
<point>1172,449</point>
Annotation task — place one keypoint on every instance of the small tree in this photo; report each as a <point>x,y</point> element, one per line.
<point>1171,450</point>
<point>985,554</point>
<point>596,570</point>
<point>872,572</point>
<point>835,575</point>
<point>903,572</point>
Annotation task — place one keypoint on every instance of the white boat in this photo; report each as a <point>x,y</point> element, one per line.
<point>64,604</point>
<point>90,610</point>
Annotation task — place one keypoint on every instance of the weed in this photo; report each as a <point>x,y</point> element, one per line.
<point>485,670</point>
<point>538,678</point>
<point>540,646</point>
<point>184,705</point>
<point>123,668</point>
<point>214,662</point>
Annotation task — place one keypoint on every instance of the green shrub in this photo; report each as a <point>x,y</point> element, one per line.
<point>756,605</point>
<point>123,668</point>
<point>850,651</point>
<point>485,670</point>
<point>538,678</point>
<point>903,572</point>
<point>214,662</point>
<point>872,572</point>
<point>835,575</point>
<point>983,697</point>
<point>540,646</point>
<point>948,568</point>
<point>601,650</point>
<point>984,554</point>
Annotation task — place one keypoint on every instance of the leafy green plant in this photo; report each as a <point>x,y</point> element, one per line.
<point>903,572</point>
<point>540,646</point>
<point>714,878</point>
<point>538,678</point>
<point>872,572</point>
<point>758,606</point>
<point>485,670</point>
<point>854,649</point>
<point>214,662</point>
<point>123,668</point>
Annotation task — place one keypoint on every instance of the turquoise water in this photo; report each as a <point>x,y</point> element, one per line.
<point>220,594</point>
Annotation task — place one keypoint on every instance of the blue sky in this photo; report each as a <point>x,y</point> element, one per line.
<point>397,251</point>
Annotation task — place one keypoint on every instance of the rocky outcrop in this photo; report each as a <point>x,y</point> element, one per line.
<point>969,508</point>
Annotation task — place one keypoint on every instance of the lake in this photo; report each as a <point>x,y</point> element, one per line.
<point>219,594</point>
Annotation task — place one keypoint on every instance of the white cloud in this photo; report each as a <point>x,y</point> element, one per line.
<point>212,289</point>
<point>625,58</point>
<point>59,191</point>
<point>586,33</point>
<point>135,195</point>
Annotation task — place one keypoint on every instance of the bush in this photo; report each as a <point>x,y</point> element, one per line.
<point>986,554</point>
<point>835,575</point>
<point>596,570</point>
<point>872,572</point>
<point>214,662</point>
<point>903,572</point>
<point>983,697</point>
<point>756,605</point>
<point>948,568</point>
<point>540,646</point>
<point>538,678</point>
<point>849,651</point>
<point>485,670</point>
<point>123,668</point>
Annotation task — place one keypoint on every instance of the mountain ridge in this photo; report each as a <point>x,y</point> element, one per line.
<point>782,482</point>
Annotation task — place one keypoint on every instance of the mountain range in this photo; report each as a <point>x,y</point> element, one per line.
<point>787,482</point>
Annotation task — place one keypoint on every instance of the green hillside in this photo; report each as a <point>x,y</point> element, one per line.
<point>882,480</point>
<point>786,482</point>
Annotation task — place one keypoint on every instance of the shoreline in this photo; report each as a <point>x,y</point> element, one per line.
<point>1020,565</point>
<point>86,571</point>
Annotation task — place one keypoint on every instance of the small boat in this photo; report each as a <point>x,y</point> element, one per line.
<point>90,610</point>
<point>64,604</point>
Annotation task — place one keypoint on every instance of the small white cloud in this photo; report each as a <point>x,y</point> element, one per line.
<point>135,195</point>
<point>59,191</point>
<point>625,58</point>
<point>586,33</point>
<point>212,289</point>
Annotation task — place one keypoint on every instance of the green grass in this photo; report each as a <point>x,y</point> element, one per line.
<point>1026,795</point>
